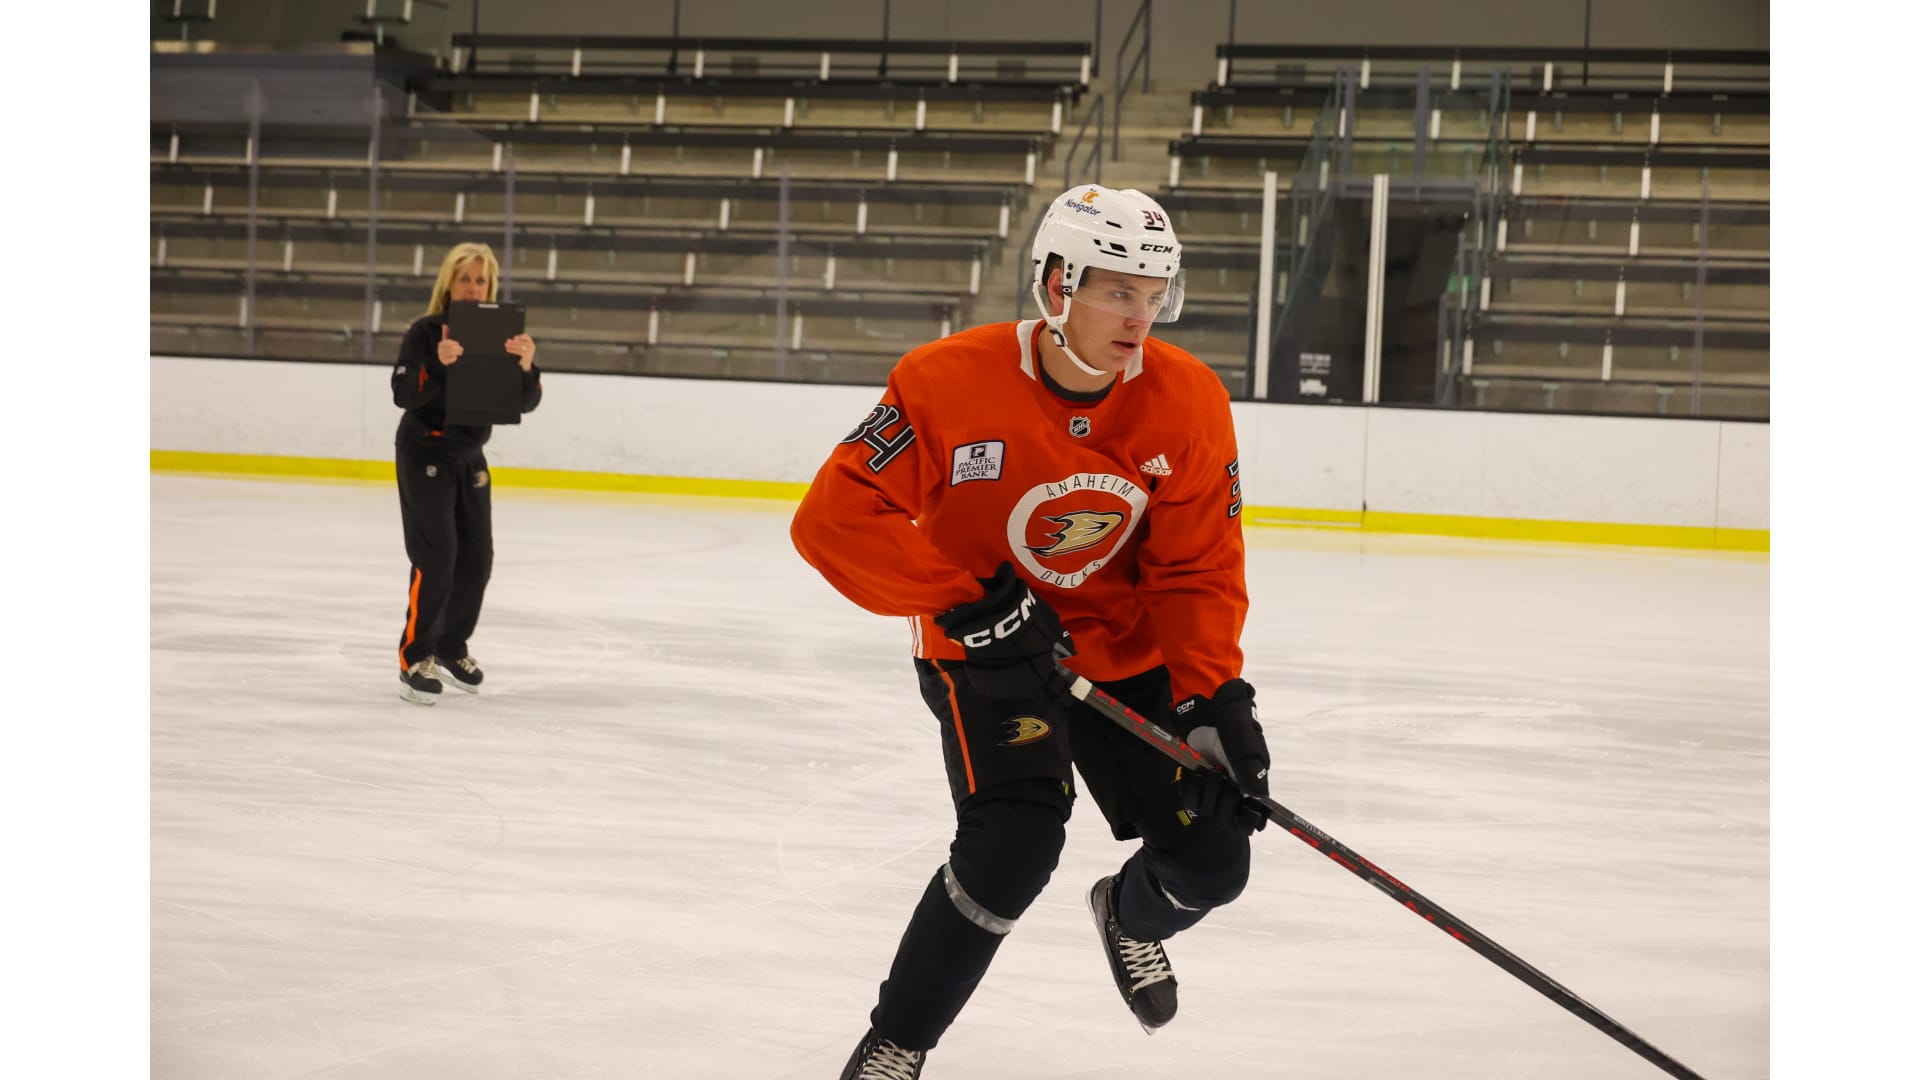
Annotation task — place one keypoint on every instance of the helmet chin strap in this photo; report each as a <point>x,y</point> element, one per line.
<point>1056,326</point>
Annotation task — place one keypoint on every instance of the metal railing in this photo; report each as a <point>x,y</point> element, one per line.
<point>1479,242</point>
<point>1142,65</point>
<point>1072,172</point>
<point>1309,199</point>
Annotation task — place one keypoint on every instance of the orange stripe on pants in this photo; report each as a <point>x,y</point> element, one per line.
<point>413,616</point>
<point>953,703</point>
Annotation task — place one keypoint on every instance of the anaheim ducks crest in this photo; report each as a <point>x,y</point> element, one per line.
<point>1079,529</point>
<point>1022,730</point>
<point>1064,531</point>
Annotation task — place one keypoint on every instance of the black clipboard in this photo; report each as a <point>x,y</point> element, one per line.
<point>483,386</point>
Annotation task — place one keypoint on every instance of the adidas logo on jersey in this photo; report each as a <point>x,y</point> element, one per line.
<point>1157,467</point>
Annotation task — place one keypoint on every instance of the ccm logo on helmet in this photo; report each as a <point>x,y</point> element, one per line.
<point>1161,248</point>
<point>1005,628</point>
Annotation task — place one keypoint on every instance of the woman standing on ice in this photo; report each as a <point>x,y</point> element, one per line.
<point>446,500</point>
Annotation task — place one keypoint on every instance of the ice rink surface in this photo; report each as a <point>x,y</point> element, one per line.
<point>680,831</point>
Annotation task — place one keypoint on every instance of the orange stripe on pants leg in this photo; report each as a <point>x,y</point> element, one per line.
<point>960,729</point>
<point>413,616</point>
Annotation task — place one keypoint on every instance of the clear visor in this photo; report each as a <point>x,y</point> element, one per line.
<point>1131,296</point>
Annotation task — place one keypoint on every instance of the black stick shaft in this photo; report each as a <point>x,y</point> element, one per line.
<point>1174,747</point>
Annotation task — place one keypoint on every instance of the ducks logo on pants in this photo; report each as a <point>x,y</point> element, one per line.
<point>1022,730</point>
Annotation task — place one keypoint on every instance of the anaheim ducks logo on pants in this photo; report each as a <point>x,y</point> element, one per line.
<point>1065,531</point>
<point>1022,730</point>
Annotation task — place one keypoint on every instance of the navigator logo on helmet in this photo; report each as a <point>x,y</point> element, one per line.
<point>1120,230</point>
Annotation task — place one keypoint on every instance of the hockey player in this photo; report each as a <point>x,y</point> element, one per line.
<point>446,497</point>
<point>1059,485</point>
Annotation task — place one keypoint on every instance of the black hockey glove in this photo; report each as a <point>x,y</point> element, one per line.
<point>1208,797</point>
<point>1010,636</point>
<point>1225,729</point>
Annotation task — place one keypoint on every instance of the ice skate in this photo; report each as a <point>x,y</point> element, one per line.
<point>1140,968</point>
<point>462,674</point>
<point>881,1059</point>
<point>418,685</point>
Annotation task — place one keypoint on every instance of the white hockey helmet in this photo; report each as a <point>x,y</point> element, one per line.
<point>1121,230</point>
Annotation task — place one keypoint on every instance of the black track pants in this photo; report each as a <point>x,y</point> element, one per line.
<point>446,511</point>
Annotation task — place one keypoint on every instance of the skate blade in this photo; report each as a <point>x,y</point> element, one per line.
<point>408,693</point>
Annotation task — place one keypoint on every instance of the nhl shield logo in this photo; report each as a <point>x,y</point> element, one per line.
<point>1080,426</point>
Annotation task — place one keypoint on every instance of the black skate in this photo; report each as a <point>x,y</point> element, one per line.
<point>418,685</point>
<point>463,674</point>
<point>882,1059</point>
<point>1140,968</point>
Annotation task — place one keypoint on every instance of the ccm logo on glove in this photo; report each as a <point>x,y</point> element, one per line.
<point>1005,628</point>
<point>1011,637</point>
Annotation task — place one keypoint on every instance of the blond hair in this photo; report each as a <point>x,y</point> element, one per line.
<point>450,266</point>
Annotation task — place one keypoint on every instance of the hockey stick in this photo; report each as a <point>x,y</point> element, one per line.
<point>1176,748</point>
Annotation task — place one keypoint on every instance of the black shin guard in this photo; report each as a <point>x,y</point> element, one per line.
<point>941,959</point>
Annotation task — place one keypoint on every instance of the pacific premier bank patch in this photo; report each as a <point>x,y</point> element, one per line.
<point>978,461</point>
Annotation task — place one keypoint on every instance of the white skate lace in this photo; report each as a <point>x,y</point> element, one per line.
<point>1146,961</point>
<point>467,665</point>
<point>889,1062</point>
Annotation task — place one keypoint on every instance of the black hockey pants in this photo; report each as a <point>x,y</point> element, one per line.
<point>1009,765</point>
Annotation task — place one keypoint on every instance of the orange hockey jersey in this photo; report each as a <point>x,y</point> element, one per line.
<point>1124,514</point>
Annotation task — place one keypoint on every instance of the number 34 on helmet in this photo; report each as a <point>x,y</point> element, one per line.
<point>1125,231</point>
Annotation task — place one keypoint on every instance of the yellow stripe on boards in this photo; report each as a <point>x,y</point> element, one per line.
<point>268,465</point>
<point>1487,528</point>
<point>1760,540</point>
<point>1490,528</point>
<point>1301,517</point>
<point>189,461</point>
<point>658,485</point>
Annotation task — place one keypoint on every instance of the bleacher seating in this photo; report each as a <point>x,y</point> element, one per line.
<point>1617,259</point>
<point>634,186</point>
<point>720,201</point>
<point>593,326</point>
<point>804,61</point>
<point>615,148</point>
<point>1661,70</point>
<point>1598,287</point>
<point>889,104</point>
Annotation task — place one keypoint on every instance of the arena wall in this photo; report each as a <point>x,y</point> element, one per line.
<point>1629,480</point>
